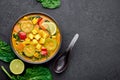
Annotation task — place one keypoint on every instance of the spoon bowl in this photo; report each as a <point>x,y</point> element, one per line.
<point>61,63</point>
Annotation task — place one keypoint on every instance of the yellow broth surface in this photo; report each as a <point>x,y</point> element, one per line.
<point>36,38</point>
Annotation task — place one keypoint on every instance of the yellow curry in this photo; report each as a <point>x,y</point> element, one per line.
<point>36,38</point>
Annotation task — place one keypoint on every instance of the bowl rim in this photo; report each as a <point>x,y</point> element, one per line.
<point>30,13</point>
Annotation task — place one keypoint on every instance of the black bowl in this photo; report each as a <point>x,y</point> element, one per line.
<point>33,62</point>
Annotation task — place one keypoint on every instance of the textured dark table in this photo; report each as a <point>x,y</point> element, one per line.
<point>96,56</point>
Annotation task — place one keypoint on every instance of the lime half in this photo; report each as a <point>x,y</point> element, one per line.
<point>50,26</point>
<point>16,66</point>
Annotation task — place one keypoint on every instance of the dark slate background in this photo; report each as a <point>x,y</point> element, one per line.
<point>96,56</point>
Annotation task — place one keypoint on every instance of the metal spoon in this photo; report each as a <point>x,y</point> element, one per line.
<point>61,62</point>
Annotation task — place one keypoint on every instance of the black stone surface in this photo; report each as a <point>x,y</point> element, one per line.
<point>96,56</point>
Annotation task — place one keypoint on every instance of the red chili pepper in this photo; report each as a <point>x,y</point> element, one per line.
<point>39,20</point>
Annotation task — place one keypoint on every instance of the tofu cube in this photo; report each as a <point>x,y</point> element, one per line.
<point>34,41</point>
<point>42,41</point>
<point>37,36</point>
<point>31,36</point>
<point>38,46</point>
<point>34,31</point>
<point>35,20</point>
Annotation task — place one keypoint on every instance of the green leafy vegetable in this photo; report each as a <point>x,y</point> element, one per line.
<point>32,17</point>
<point>6,53</point>
<point>50,3</point>
<point>16,37</point>
<point>35,73</point>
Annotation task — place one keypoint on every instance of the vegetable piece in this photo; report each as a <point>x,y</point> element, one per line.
<point>17,66</point>
<point>51,4</point>
<point>50,44</point>
<point>22,35</point>
<point>40,24</point>
<point>44,51</point>
<point>16,37</point>
<point>35,20</point>
<point>35,73</point>
<point>20,47</point>
<point>45,25</point>
<point>39,20</point>
<point>17,28</point>
<point>6,53</point>
<point>50,26</point>
<point>2,67</point>
<point>27,26</point>
<point>29,50</point>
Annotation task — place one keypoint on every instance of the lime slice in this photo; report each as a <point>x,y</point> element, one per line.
<point>16,66</point>
<point>50,26</point>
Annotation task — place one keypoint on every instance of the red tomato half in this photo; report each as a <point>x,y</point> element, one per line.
<point>22,35</point>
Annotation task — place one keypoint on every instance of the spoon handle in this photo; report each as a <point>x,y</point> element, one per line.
<point>72,43</point>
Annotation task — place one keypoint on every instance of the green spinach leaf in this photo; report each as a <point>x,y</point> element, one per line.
<point>50,3</point>
<point>6,53</point>
<point>35,73</point>
<point>16,37</point>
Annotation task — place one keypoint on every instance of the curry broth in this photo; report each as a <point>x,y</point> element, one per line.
<point>20,45</point>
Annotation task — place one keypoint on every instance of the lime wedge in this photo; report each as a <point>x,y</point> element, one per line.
<point>50,26</point>
<point>16,66</point>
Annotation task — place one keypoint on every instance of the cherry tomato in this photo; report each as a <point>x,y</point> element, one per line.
<point>22,35</point>
<point>44,51</point>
